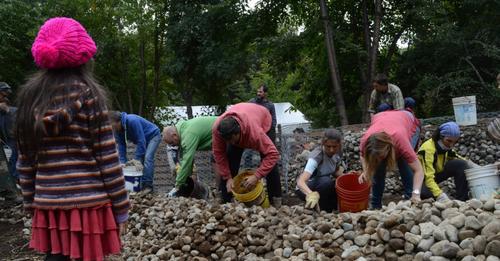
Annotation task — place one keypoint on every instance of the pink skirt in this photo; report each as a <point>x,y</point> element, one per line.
<point>86,233</point>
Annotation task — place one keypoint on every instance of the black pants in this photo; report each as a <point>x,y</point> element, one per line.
<point>325,186</point>
<point>273,182</point>
<point>456,169</point>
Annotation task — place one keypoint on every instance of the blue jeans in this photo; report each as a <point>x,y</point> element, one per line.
<point>149,161</point>
<point>13,159</point>
<point>378,182</point>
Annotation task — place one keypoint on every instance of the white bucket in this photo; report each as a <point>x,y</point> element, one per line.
<point>483,181</point>
<point>465,110</point>
<point>132,179</point>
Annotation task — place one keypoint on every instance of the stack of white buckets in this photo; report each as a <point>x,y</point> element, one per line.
<point>483,181</point>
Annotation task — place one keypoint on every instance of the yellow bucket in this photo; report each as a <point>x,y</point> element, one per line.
<point>250,197</point>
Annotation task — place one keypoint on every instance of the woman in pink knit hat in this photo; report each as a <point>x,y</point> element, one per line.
<point>70,175</point>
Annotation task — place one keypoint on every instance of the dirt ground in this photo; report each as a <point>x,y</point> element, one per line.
<point>13,246</point>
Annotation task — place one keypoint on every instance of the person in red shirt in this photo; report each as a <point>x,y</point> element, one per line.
<point>245,126</point>
<point>389,142</point>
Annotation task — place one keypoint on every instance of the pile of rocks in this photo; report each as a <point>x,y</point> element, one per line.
<point>185,229</point>
<point>474,144</point>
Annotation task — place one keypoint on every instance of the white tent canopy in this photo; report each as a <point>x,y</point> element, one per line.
<point>286,116</point>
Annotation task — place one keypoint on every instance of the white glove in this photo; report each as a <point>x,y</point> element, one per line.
<point>442,198</point>
<point>172,193</point>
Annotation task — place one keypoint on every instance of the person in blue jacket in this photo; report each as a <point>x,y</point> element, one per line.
<point>145,135</point>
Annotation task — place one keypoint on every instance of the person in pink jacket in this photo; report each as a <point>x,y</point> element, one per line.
<point>245,126</point>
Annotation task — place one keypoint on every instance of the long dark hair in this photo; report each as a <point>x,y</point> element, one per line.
<point>436,135</point>
<point>37,95</point>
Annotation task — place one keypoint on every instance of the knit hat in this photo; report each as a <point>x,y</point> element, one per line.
<point>449,129</point>
<point>61,43</point>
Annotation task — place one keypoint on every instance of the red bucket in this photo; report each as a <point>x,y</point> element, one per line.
<point>352,196</point>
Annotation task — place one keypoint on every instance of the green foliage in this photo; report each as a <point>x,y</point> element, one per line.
<point>156,53</point>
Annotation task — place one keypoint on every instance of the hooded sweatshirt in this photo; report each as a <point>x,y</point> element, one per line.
<point>255,121</point>
<point>137,130</point>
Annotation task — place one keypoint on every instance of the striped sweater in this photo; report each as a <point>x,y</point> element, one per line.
<point>71,170</point>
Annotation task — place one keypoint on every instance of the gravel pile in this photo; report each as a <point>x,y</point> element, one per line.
<point>185,229</point>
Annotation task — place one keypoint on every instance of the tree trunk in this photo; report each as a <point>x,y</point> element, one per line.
<point>332,62</point>
<point>188,99</point>
<point>372,44</point>
<point>142,47</point>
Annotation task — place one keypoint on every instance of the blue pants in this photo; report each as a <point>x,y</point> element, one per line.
<point>149,161</point>
<point>13,159</point>
<point>378,182</point>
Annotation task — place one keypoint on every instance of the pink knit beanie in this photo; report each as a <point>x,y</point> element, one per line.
<point>62,42</point>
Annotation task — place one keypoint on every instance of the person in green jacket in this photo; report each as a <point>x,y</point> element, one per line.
<point>190,136</point>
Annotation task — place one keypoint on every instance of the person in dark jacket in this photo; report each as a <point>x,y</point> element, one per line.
<point>145,135</point>
<point>7,122</point>
<point>261,99</point>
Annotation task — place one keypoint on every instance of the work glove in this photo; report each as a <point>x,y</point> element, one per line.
<point>442,198</point>
<point>135,163</point>
<point>312,199</point>
<point>177,168</point>
<point>173,193</point>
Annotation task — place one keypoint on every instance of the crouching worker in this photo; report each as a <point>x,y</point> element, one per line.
<point>246,126</point>
<point>190,136</point>
<point>316,185</point>
<point>441,162</point>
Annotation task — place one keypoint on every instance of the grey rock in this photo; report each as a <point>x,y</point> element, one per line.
<point>489,205</point>
<point>439,234</point>
<point>349,251</point>
<point>445,248</point>
<point>491,228</point>
<point>361,240</point>
<point>472,222</point>
<point>438,258</point>
<point>384,234</point>
<point>467,243</point>
<point>492,258</point>
<point>475,203</point>
<point>458,221</point>
<point>426,229</point>
<point>287,252</point>
<point>479,244</point>
<point>425,244</point>
<point>349,235</point>
<point>485,218</point>
<point>492,248</point>
<point>338,233</point>
<point>464,252</point>
<point>412,238</point>
<point>469,258</point>
<point>409,247</point>
<point>451,233</point>
<point>347,226</point>
<point>379,250</point>
<point>448,213</point>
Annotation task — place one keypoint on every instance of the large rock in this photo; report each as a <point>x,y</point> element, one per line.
<point>425,244</point>
<point>479,244</point>
<point>492,248</point>
<point>445,248</point>
<point>473,223</point>
<point>491,229</point>
<point>426,229</point>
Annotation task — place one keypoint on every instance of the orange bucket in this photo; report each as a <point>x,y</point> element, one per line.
<point>352,196</point>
